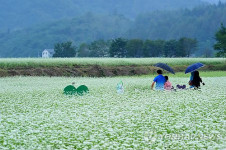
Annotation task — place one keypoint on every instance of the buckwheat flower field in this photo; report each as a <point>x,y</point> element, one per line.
<point>34,114</point>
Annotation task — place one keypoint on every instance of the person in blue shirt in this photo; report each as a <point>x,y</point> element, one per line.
<point>159,80</point>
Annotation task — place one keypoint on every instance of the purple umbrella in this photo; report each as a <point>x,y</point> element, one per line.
<point>165,67</point>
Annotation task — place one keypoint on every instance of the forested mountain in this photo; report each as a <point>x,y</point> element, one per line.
<point>201,23</point>
<point>86,28</point>
<point>17,14</point>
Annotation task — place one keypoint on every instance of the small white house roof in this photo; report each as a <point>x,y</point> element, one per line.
<point>46,53</point>
<point>49,50</point>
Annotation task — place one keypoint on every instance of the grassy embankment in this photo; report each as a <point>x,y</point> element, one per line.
<point>100,66</point>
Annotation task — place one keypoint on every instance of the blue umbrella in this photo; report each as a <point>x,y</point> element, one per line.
<point>193,67</point>
<point>165,67</point>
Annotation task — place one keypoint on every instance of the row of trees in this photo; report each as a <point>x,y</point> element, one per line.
<point>120,47</point>
<point>64,50</point>
<point>183,47</point>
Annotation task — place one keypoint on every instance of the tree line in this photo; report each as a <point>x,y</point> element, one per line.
<point>120,47</point>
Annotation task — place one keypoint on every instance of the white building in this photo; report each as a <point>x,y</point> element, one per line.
<point>47,53</point>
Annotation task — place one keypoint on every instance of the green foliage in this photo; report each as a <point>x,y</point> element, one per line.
<point>220,46</point>
<point>183,47</point>
<point>83,50</point>
<point>171,48</point>
<point>151,48</point>
<point>118,48</point>
<point>99,48</point>
<point>134,48</point>
<point>64,50</point>
<point>186,47</point>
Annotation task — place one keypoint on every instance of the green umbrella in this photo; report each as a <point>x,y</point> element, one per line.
<point>70,90</point>
<point>82,89</point>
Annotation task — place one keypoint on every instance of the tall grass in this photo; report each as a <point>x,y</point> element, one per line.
<point>40,62</point>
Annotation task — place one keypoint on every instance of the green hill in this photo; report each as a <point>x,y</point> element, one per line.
<point>17,14</point>
<point>31,41</point>
<point>201,23</point>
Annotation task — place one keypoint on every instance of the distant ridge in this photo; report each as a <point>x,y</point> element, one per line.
<point>200,22</point>
<point>17,14</point>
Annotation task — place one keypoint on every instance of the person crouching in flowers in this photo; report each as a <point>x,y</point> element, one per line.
<point>159,80</point>
<point>197,80</point>
<point>167,85</point>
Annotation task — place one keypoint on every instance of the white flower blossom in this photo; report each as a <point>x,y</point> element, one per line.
<point>35,114</point>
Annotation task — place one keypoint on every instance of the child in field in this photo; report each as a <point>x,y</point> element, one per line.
<point>167,85</point>
<point>159,80</point>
